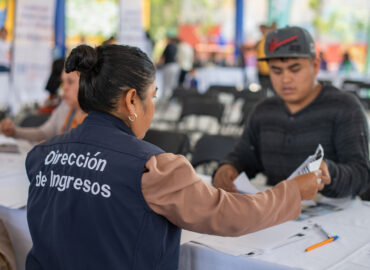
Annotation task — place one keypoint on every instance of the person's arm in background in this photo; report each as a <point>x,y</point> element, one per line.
<point>244,157</point>
<point>350,173</point>
<point>47,130</point>
<point>172,189</point>
<point>7,256</point>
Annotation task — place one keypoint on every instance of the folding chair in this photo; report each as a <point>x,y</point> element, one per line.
<point>198,108</point>
<point>351,85</point>
<point>209,150</point>
<point>228,89</point>
<point>363,93</point>
<point>181,94</point>
<point>2,114</point>
<point>170,141</point>
<point>250,100</point>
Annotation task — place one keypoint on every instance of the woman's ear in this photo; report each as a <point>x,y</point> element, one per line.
<point>130,101</point>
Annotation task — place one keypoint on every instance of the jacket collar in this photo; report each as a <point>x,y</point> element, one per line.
<point>108,120</point>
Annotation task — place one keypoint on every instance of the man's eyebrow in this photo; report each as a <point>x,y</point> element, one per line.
<point>275,67</point>
<point>294,65</point>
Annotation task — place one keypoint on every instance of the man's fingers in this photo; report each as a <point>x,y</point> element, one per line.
<point>326,179</point>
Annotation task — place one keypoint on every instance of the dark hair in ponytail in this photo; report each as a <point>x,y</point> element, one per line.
<point>106,72</point>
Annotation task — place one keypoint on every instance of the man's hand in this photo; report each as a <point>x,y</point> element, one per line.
<point>224,178</point>
<point>7,127</point>
<point>326,179</point>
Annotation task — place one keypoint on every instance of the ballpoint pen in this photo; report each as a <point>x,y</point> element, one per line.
<point>327,241</point>
<point>321,230</point>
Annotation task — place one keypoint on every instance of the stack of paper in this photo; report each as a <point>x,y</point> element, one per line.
<point>259,242</point>
<point>8,145</point>
<point>13,179</point>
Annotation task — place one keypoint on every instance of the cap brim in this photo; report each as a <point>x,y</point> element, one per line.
<point>285,56</point>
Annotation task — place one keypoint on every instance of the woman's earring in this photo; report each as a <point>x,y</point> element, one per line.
<point>132,120</point>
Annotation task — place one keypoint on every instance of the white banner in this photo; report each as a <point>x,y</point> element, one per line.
<point>32,53</point>
<point>131,29</point>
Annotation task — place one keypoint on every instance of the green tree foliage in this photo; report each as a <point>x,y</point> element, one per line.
<point>339,23</point>
<point>163,17</point>
<point>85,17</point>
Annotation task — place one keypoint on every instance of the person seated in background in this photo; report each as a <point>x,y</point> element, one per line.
<point>323,62</point>
<point>262,67</point>
<point>123,200</point>
<point>5,51</point>
<point>185,59</point>
<point>65,117</point>
<point>52,86</point>
<point>284,130</point>
<point>110,40</point>
<point>171,69</point>
<point>347,66</point>
<point>191,79</point>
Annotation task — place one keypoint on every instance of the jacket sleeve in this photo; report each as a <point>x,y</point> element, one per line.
<point>172,189</point>
<point>350,172</point>
<point>47,130</point>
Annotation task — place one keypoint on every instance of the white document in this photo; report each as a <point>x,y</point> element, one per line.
<point>259,242</point>
<point>311,164</point>
<point>14,189</point>
<point>187,236</point>
<point>7,140</point>
<point>244,185</point>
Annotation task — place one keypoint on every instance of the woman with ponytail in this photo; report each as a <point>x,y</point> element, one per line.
<point>101,198</point>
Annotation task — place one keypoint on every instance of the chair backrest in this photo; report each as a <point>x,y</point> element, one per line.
<point>229,89</point>
<point>2,115</point>
<point>248,95</point>
<point>325,82</point>
<point>180,93</point>
<point>34,120</point>
<point>212,148</point>
<point>170,141</point>
<point>247,108</point>
<point>351,85</point>
<point>363,94</point>
<point>202,107</point>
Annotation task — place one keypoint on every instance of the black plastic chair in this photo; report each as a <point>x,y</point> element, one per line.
<point>229,89</point>
<point>248,95</point>
<point>209,150</point>
<point>2,115</point>
<point>202,107</point>
<point>181,94</point>
<point>199,108</point>
<point>363,93</point>
<point>34,120</point>
<point>247,108</point>
<point>325,82</point>
<point>170,141</point>
<point>351,85</point>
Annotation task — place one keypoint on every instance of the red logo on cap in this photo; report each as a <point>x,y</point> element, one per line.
<point>274,44</point>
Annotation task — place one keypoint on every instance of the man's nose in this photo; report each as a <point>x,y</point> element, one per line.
<point>287,77</point>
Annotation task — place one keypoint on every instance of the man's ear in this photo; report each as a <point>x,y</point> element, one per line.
<point>130,100</point>
<point>316,64</point>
